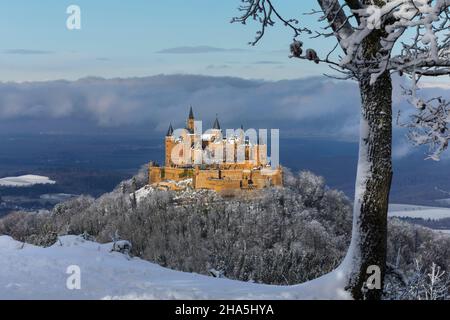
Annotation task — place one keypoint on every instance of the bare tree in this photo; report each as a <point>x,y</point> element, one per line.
<point>374,39</point>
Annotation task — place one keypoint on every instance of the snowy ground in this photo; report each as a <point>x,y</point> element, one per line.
<point>25,181</point>
<point>413,211</point>
<point>30,272</point>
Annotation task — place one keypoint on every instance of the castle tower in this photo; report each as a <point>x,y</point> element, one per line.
<point>169,144</point>
<point>191,121</point>
<point>262,152</point>
<point>218,146</point>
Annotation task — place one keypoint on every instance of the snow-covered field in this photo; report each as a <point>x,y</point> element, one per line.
<point>25,181</point>
<point>413,211</point>
<point>30,272</point>
<point>56,197</point>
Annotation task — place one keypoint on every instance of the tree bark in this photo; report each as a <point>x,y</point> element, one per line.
<point>373,183</point>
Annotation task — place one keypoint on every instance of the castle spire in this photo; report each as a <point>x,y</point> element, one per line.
<point>216,124</point>
<point>170,131</point>
<point>190,121</point>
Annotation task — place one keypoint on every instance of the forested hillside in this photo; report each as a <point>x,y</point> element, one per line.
<point>277,236</point>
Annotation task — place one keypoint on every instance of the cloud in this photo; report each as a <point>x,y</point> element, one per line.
<point>317,106</point>
<point>27,52</point>
<point>268,62</point>
<point>197,49</point>
<point>217,66</point>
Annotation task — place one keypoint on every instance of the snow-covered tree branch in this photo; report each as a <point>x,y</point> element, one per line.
<point>429,124</point>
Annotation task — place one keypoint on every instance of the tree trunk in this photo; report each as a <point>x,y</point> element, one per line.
<point>373,183</point>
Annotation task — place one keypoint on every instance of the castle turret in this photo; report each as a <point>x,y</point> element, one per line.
<point>191,121</point>
<point>169,144</point>
<point>170,131</point>
<point>216,125</point>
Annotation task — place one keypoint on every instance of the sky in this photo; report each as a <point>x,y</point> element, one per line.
<point>160,50</point>
<point>143,38</point>
<point>147,105</point>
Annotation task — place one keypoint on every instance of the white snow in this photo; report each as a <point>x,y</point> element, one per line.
<point>433,85</point>
<point>413,211</point>
<point>444,232</point>
<point>30,272</point>
<point>57,196</point>
<point>143,193</point>
<point>25,181</point>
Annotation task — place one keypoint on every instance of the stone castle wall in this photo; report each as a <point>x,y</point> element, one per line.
<point>158,174</point>
<point>218,179</point>
<point>211,179</point>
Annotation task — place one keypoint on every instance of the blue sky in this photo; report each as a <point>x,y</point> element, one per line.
<point>131,38</point>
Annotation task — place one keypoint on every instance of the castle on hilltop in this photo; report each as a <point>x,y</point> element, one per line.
<point>212,161</point>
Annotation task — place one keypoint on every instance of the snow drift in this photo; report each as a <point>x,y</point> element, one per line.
<point>30,272</point>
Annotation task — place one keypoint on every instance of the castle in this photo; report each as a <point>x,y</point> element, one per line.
<point>210,161</point>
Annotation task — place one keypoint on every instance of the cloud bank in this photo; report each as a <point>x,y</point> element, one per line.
<point>197,49</point>
<point>27,52</point>
<point>313,107</point>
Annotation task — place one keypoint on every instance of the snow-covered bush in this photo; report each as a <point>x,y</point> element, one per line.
<point>122,246</point>
<point>431,283</point>
<point>418,263</point>
<point>29,227</point>
<point>408,243</point>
